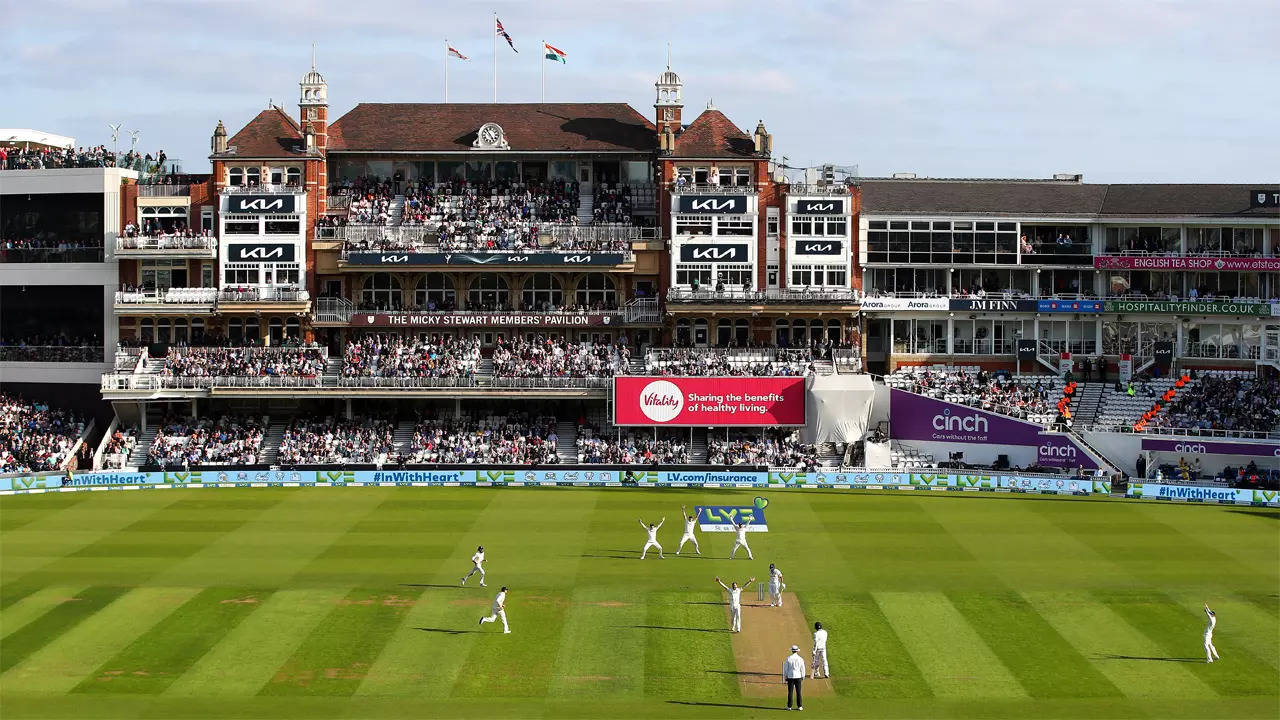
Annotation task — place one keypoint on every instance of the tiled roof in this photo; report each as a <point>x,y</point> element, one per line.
<point>552,127</point>
<point>1205,200</point>
<point>712,135</point>
<point>272,134</point>
<point>1058,198</point>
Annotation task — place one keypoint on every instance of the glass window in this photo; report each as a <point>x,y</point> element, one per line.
<point>596,290</point>
<point>489,292</point>
<point>293,177</point>
<point>381,291</point>
<point>235,176</point>
<point>434,291</point>
<point>542,291</point>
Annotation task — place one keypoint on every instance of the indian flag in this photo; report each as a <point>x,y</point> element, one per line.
<point>553,52</point>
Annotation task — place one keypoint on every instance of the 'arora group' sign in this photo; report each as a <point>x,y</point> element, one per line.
<point>742,401</point>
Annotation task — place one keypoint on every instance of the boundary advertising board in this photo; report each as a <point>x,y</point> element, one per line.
<point>708,401</point>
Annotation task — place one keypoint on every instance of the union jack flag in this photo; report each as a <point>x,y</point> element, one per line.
<point>504,35</point>
<point>455,53</point>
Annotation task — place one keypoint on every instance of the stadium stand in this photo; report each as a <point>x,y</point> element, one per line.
<point>224,440</point>
<point>1027,398</point>
<point>516,439</point>
<point>337,441</point>
<point>34,437</point>
<point>707,362</point>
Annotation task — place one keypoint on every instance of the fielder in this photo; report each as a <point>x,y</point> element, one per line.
<point>776,586</point>
<point>477,566</point>
<point>735,603</point>
<point>653,538</point>
<point>741,542</point>
<point>820,651</point>
<point>499,610</point>
<point>1210,652</point>
<point>690,522</point>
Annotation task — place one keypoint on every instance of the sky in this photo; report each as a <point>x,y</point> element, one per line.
<point>1119,90</point>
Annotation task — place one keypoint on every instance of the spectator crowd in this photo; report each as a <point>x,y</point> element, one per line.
<point>207,441</point>
<point>34,437</point>
<point>998,392</point>
<point>244,361</point>
<point>1231,402</point>
<point>557,357</point>
<point>624,447</point>
<point>517,439</point>
<point>13,157</point>
<point>337,441</point>
<point>442,356</point>
<point>773,449</point>
<point>715,362</point>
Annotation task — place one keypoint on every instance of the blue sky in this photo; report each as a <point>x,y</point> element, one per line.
<point>1119,90</point>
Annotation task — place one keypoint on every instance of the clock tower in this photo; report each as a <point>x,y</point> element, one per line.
<point>668,103</point>
<point>313,106</point>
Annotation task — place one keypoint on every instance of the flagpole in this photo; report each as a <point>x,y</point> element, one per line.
<point>495,57</point>
<point>446,71</point>
<point>544,72</point>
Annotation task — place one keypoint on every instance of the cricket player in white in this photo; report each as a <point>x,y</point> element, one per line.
<point>735,603</point>
<point>499,610</point>
<point>1210,652</point>
<point>820,651</point>
<point>776,586</point>
<point>477,566</point>
<point>690,522</point>
<point>653,538</point>
<point>741,542</point>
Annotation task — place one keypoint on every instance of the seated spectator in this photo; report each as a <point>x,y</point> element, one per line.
<point>774,449</point>
<point>1230,402</point>
<point>552,357</point>
<point>243,361</point>
<point>716,362</point>
<point>33,437</point>
<point>1024,398</point>
<point>338,442</point>
<point>398,356</point>
<point>613,446</point>
<point>516,439</point>
<point>224,440</point>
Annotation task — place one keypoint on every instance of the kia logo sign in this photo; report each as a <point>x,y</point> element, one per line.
<point>819,207</point>
<point>393,259</point>
<point>717,204</point>
<point>577,259</point>
<point>819,248</point>
<point>661,401</point>
<point>260,253</point>
<point>700,252</point>
<point>260,204</point>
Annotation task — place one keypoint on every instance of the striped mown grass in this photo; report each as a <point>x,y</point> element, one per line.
<point>345,602</point>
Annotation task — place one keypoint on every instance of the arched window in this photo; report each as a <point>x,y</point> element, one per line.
<point>252,331</point>
<point>835,332</point>
<point>180,331</point>
<point>742,333</point>
<point>542,292</point>
<point>489,292</point>
<point>197,331</point>
<point>781,333</point>
<point>381,291</point>
<point>434,291</point>
<point>293,329</point>
<point>799,333</point>
<point>724,332</point>
<point>147,331</point>
<point>253,176</point>
<point>683,333</point>
<point>235,176</point>
<point>597,290</point>
<point>275,330</point>
<point>293,176</point>
<point>700,332</point>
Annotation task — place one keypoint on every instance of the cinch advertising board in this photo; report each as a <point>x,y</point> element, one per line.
<point>1211,447</point>
<point>916,417</point>
<point>708,401</point>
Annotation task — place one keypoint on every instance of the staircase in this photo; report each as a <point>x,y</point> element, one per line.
<point>567,441</point>
<point>904,456</point>
<point>1086,409</point>
<point>402,441</point>
<point>138,455</point>
<point>586,203</point>
<point>333,368</point>
<point>824,367</point>
<point>271,443</point>
<point>396,213</point>
<point>698,447</point>
<point>829,455</point>
<point>635,366</point>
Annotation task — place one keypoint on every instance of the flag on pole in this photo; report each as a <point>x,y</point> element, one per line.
<point>504,34</point>
<point>454,52</point>
<point>553,52</point>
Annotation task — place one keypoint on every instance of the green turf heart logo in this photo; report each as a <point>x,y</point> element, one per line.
<point>762,503</point>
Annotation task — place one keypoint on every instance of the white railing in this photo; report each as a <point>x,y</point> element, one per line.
<point>550,382</point>
<point>120,382</point>
<point>676,295</point>
<point>710,189</point>
<point>828,189</point>
<point>262,294</point>
<point>166,242</point>
<point>406,382</point>
<point>267,189</point>
<point>163,190</point>
<point>168,296</point>
<point>1187,432</point>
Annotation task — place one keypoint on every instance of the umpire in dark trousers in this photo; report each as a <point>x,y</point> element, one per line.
<point>793,675</point>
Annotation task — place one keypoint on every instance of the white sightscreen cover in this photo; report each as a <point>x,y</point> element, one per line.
<point>837,408</point>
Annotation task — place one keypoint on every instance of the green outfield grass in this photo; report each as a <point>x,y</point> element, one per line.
<point>344,603</point>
